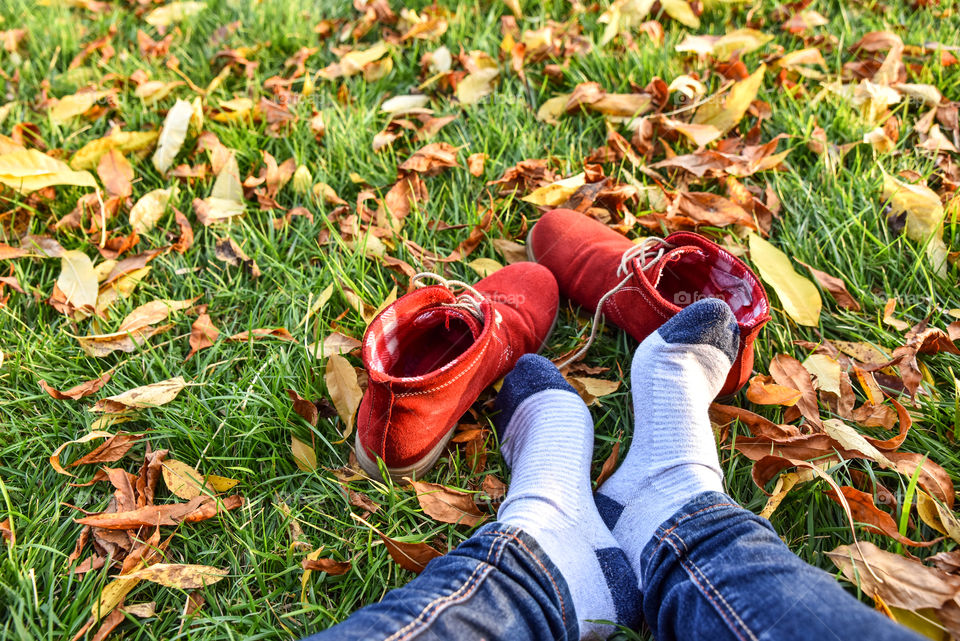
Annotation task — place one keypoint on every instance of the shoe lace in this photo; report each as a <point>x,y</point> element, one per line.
<point>470,300</point>
<point>648,251</point>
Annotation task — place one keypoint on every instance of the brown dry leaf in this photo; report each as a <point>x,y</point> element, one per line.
<point>412,557</point>
<point>712,209</point>
<point>303,455</point>
<point>511,251</point>
<point>116,173</point>
<point>431,159</point>
<point>179,575</point>
<point>790,372</point>
<point>609,465</point>
<point>7,532</point>
<point>113,449</point>
<point>836,287</point>
<point>198,509</point>
<point>278,333</point>
<point>447,505</point>
<point>79,391</point>
<point>590,389</point>
<point>475,163</point>
<point>898,581</point>
<point>203,334</point>
<point>344,390</point>
<point>763,391</point>
<point>493,487</point>
<point>231,253</point>
<point>152,395</point>
<point>328,565</point>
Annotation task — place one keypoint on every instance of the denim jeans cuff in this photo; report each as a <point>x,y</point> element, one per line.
<point>498,535</point>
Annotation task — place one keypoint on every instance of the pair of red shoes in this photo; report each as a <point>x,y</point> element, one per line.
<point>431,353</point>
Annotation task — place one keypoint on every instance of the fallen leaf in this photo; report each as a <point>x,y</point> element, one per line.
<point>230,252</point>
<point>447,505</point>
<point>303,455</point>
<point>179,575</point>
<point>888,309</point>
<point>849,439</point>
<point>344,391</point>
<point>172,134</point>
<point>789,372</point>
<point>198,509</point>
<point>88,157</point>
<point>431,159</point>
<point>609,465</point>
<point>203,334</point>
<point>116,446</point>
<point>825,371</point>
<point>328,565</point>
<point>79,391</point>
<point>484,266</point>
<point>334,343</point>
<point>476,86</point>
<point>475,163</point>
<point>102,345</point>
<point>152,395</point>
<point>116,173</point>
<point>763,391</point>
<point>800,298</point>
<point>152,313</point>
<point>925,215</point>
<point>412,557</point>
<point>836,287</point>
<point>78,280</point>
<point>182,480</point>
<point>726,115</point>
<point>148,209</point>
<point>590,389</point>
<point>279,333</point>
<point>555,193</point>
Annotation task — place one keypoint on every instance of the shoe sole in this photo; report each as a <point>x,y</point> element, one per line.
<point>423,465</point>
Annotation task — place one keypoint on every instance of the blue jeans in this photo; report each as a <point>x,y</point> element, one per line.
<point>712,571</point>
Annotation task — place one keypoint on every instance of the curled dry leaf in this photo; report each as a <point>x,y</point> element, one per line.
<point>231,253</point>
<point>609,465</point>
<point>101,345</point>
<point>790,372</point>
<point>152,395</point>
<point>152,313</point>
<point>116,446</point>
<point>328,565</point>
<point>475,163</point>
<point>279,333</point>
<point>590,389</point>
<point>198,509</point>
<point>334,343</point>
<point>447,505</point>
<point>172,135</point>
<point>763,391</point>
<point>179,575</point>
<point>412,557</point>
<point>79,391</point>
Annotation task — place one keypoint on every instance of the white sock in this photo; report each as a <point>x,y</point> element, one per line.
<point>546,436</point>
<point>676,373</point>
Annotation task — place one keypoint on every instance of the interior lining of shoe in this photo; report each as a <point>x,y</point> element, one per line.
<point>688,277</point>
<point>429,342</point>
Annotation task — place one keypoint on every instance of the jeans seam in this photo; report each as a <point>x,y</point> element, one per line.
<point>556,588</point>
<point>662,536</point>
<point>433,608</point>
<point>738,627</point>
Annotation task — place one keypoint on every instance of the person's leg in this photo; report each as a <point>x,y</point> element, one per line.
<point>709,568</point>
<point>498,584</point>
<point>549,569</point>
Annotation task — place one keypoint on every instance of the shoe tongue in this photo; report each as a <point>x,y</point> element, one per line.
<point>655,271</point>
<point>443,315</point>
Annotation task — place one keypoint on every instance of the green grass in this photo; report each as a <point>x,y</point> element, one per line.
<point>236,420</point>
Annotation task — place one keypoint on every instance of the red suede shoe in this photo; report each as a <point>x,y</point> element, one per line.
<point>650,281</point>
<point>431,353</point>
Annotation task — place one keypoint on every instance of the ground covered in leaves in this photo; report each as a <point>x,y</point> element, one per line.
<point>202,204</point>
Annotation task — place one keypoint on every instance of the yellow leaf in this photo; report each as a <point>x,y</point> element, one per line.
<point>152,395</point>
<point>699,135</point>
<point>722,47</point>
<point>152,313</point>
<point>937,516</point>
<point>405,104</point>
<point>174,12</point>
<point>181,479</point>
<point>785,482</point>
<point>153,91</point>
<point>220,483</point>
<point>925,215</point>
<point>477,85</point>
<point>172,135</point>
<point>148,209</point>
<point>70,107</point>
<point>553,108</point>
<point>726,116</point>
<point>800,297</point>
<point>826,370</point>
<point>123,141</point>
<point>111,595</point>
<point>680,11</point>
<point>30,170</point>
<point>345,392</point>
<point>850,439</point>
<point>484,266</point>
<point>226,197</point>
<point>303,455</point>
<point>78,279</point>
<point>590,389</point>
<point>178,575</point>
<point>556,193</point>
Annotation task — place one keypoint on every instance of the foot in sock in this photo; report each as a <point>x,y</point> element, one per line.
<point>546,437</point>
<point>676,373</point>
